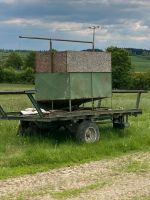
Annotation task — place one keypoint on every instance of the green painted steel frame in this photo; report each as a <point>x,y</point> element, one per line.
<point>29,93</point>
<point>66,86</point>
<point>64,115</point>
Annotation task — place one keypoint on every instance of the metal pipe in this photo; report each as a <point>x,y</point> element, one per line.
<point>35,104</point>
<point>55,39</point>
<point>51,47</point>
<point>18,92</point>
<point>93,43</point>
<point>70,106</point>
<point>52,105</point>
<point>138,100</point>
<point>129,91</point>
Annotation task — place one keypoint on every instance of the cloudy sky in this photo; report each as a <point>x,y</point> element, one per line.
<point>123,23</point>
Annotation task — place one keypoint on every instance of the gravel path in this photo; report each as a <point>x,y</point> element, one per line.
<point>120,178</point>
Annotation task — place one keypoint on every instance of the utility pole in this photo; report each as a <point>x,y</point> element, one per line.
<point>94,28</point>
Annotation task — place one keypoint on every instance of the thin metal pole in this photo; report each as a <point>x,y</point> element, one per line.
<point>93,43</point>
<point>33,101</point>
<point>93,38</point>
<point>138,100</point>
<point>55,39</point>
<point>70,107</point>
<point>2,112</point>
<point>51,52</point>
<point>51,47</point>
<point>52,105</point>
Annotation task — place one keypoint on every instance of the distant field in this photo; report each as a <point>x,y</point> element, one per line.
<point>140,63</point>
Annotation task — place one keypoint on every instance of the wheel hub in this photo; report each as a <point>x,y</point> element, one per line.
<point>90,135</point>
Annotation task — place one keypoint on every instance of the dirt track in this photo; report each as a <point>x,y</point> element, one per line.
<point>127,177</point>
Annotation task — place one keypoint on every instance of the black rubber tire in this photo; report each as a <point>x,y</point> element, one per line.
<point>88,132</point>
<point>26,128</point>
<point>119,123</point>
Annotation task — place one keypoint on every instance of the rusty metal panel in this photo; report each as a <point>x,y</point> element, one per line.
<point>73,61</point>
<point>51,86</point>
<point>43,62</point>
<point>101,84</point>
<point>80,85</point>
<point>88,61</point>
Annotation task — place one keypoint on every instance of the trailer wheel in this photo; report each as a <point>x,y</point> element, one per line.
<point>87,132</point>
<point>22,128</point>
<point>25,128</point>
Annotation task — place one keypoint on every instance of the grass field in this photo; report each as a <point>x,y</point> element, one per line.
<point>22,155</point>
<point>140,63</point>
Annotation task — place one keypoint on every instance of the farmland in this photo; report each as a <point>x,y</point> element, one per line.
<point>140,63</point>
<point>22,155</point>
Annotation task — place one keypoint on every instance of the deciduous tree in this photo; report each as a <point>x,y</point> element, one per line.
<point>14,61</point>
<point>121,67</point>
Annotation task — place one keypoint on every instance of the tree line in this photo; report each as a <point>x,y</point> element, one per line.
<point>123,76</point>
<point>15,69</point>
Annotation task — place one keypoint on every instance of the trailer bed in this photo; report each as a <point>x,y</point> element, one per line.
<point>58,115</point>
<point>81,120</point>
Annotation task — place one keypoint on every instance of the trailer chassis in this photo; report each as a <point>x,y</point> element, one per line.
<point>82,121</point>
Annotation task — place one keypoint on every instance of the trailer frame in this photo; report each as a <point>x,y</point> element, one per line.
<point>74,119</point>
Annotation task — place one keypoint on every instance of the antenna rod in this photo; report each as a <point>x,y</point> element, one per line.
<point>54,39</point>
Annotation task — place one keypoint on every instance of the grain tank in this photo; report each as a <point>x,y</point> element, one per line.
<point>70,78</point>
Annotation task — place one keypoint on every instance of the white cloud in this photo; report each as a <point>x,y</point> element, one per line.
<point>121,20</point>
<point>131,30</point>
<point>54,26</point>
<point>21,22</point>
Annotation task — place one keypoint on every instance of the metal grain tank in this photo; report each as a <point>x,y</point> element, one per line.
<point>71,78</point>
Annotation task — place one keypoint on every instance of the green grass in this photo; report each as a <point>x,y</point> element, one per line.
<point>65,194</point>
<point>138,166</point>
<point>135,166</point>
<point>32,154</point>
<point>75,192</point>
<point>140,63</point>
